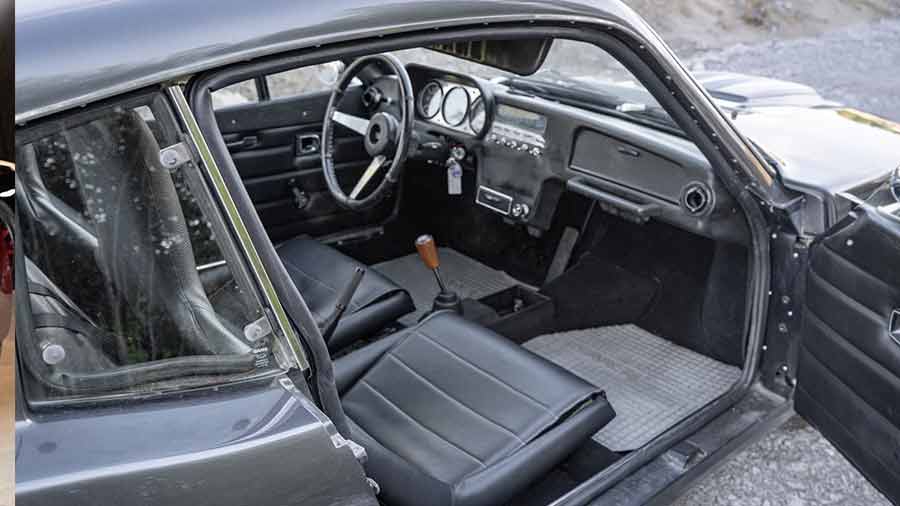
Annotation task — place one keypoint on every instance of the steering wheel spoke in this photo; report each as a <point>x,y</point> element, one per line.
<point>386,135</point>
<point>367,176</point>
<point>355,123</point>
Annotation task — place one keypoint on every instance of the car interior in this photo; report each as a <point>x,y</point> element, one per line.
<point>522,274</point>
<point>536,254</point>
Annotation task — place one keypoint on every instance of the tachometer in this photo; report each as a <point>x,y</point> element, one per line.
<point>430,99</point>
<point>456,106</point>
<point>477,116</point>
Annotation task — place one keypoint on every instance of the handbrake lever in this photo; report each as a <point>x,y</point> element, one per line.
<point>330,323</point>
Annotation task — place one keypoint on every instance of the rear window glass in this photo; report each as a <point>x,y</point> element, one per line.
<point>244,92</point>
<point>133,282</point>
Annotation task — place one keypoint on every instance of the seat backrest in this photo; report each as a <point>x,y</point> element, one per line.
<point>132,228</point>
<point>142,236</point>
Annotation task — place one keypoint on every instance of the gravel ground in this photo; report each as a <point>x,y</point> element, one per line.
<point>857,65</point>
<point>794,465</point>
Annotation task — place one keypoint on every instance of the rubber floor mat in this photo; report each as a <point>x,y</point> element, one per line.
<point>652,383</point>
<point>465,276</point>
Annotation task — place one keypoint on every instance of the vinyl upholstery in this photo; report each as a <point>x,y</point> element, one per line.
<point>321,272</point>
<point>454,414</point>
<point>849,363</point>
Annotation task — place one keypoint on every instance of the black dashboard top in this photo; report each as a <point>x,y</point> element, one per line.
<point>521,145</point>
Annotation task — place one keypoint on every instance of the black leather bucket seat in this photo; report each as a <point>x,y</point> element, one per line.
<point>321,272</point>
<point>451,413</point>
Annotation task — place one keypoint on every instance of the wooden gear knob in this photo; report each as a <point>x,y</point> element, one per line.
<point>428,251</point>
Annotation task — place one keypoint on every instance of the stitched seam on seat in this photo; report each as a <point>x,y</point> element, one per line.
<point>455,400</point>
<point>485,373</point>
<point>397,455</point>
<point>307,276</point>
<point>350,305</point>
<point>420,424</point>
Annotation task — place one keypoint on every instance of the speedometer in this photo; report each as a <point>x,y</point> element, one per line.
<point>477,116</point>
<point>456,106</point>
<point>430,99</point>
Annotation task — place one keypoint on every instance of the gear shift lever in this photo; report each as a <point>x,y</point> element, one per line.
<point>446,299</point>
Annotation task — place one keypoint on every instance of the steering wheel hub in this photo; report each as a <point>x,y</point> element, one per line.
<point>381,137</point>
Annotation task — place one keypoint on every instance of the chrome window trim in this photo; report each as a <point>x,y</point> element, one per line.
<point>176,94</point>
<point>211,265</point>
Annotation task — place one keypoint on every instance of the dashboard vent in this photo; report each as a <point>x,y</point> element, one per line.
<point>696,198</point>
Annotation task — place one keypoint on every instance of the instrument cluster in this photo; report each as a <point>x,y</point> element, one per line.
<point>452,105</point>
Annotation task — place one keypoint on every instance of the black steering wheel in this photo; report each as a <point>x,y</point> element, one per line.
<point>386,136</point>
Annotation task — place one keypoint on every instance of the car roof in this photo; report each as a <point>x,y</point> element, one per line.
<point>71,52</point>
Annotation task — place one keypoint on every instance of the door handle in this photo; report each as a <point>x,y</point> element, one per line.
<point>625,150</point>
<point>307,144</point>
<point>248,142</point>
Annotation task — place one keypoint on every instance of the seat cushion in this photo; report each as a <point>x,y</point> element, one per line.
<point>452,413</point>
<point>321,272</point>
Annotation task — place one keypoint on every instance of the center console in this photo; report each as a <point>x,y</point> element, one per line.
<point>514,149</point>
<point>519,130</point>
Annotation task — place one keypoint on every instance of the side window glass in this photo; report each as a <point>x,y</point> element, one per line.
<point>130,287</point>
<point>312,79</point>
<point>244,92</point>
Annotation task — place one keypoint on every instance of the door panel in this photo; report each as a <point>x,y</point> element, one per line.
<point>271,145</point>
<point>849,368</point>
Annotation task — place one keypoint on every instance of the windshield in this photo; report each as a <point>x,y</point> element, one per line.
<point>583,75</point>
<point>132,281</point>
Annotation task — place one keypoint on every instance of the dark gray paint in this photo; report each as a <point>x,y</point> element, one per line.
<point>60,67</point>
<point>819,145</point>
<point>57,67</point>
<point>260,444</point>
<point>823,147</point>
<point>132,43</point>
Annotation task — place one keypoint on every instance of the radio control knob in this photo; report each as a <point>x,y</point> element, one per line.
<point>536,152</point>
<point>520,210</point>
<point>511,144</point>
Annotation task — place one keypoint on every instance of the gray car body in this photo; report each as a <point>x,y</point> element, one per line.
<point>264,437</point>
<point>136,43</point>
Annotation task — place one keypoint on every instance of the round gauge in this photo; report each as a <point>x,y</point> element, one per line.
<point>430,100</point>
<point>456,106</point>
<point>477,116</point>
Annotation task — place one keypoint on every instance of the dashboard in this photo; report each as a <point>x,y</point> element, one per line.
<point>452,105</point>
<point>526,151</point>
